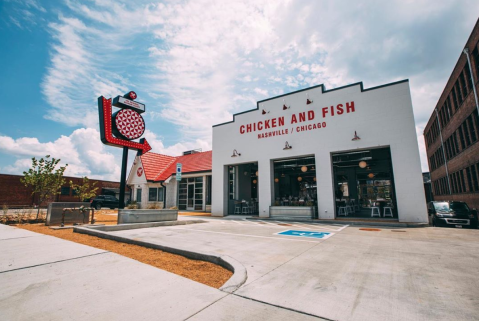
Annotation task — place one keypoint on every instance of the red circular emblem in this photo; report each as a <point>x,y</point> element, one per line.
<point>139,172</point>
<point>132,95</point>
<point>129,123</point>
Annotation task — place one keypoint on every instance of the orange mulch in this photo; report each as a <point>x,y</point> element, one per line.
<point>200,271</point>
<point>194,213</point>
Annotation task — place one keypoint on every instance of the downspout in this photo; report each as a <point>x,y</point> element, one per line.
<point>443,152</point>
<point>466,51</point>
<point>164,195</point>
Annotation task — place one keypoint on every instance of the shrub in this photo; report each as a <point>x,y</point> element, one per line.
<point>153,206</point>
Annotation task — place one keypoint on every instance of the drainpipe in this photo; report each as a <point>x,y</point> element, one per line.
<point>466,51</point>
<point>164,195</point>
<point>443,152</point>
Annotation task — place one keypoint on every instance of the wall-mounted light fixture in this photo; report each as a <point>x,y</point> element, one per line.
<point>356,137</point>
<point>308,101</point>
<point>304,169</point>
<point>255,181</point>
<point>276,180</point>
<point>300,178</point>
<point>287,146</point>
<point>284,105</point>
<point>370,175</point>
<point>235,153</point>
<point>363,164</point>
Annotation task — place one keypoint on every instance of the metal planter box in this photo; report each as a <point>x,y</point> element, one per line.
<point>55,210</point>
<point>292,212</point>
<point>146,216</point>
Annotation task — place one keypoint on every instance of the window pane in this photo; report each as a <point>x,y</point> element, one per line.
<point>65,190</point>
<point>161,194</point>
<point>153,194</point>
<point>138,195</point>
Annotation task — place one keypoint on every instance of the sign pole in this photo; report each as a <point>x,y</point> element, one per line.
<point>124,162</point>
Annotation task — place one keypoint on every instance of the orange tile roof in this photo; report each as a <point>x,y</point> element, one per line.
<point>160,167</point>
<point>154,163</point>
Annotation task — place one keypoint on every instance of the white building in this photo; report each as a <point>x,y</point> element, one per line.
<point>348,151</point>
<point>152,180</point>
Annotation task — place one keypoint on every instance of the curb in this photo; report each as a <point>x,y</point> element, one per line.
<point>239,271</point>
<point>346,222</point>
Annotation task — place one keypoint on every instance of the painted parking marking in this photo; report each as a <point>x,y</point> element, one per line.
<point>312,234</point>
<point>246,235</point>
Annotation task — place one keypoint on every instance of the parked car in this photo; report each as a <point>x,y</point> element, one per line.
<point>105,201</point>
<point>451,213</point>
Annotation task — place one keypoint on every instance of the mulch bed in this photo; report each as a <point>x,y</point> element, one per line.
<point>200,271</point>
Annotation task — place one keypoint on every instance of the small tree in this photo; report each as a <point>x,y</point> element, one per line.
<point>85,190</point>
<point>44,178</point>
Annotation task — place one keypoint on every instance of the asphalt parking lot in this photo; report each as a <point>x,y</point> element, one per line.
<point>350,274</point>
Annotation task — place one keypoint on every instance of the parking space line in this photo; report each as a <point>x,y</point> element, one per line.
<point>249,235</point>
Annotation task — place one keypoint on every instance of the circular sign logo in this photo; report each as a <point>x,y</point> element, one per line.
<point>132,95</point>
<point>129,123</point>
<point>139,172</point>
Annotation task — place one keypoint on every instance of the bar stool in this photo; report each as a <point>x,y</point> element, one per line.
<point>388,211</point>
<point>342,211</point>
<point>354,205</point>
<point>349,209</point>
<point>245,209</point>
<point>238,208</point>
<point>375,211</point>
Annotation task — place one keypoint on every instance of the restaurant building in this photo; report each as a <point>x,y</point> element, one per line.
<point>152,180</point>
<point>345,152</point>
<point>452,132</point>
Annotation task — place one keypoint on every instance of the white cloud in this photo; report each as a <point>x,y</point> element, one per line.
<point>201,61</point>
<point>82,151</point>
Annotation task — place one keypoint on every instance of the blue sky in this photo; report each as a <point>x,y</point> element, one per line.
<point>195,63</point>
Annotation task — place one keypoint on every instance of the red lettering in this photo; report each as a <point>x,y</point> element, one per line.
<point>248,128</point>
<point>260,125</point>
<point>310,127</point>
<point>325,111</point>
<point>350,107</point>
<point>310,115</point>
<point>259,136</point>
<point>254,126</point>
<point>340,109</point>
<point>293,119</point>
<point>324,124</point>
<point>302,117</point>
<point>273,123</point>
<point>266,124</point>
<point>242,129</point>
<point>281,121</point>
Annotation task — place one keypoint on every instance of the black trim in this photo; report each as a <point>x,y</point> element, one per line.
<point>309,88</point>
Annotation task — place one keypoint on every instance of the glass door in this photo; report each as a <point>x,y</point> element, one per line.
<point>191,197</point>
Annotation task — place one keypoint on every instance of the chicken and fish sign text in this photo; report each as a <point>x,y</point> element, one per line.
<point>296,119</point>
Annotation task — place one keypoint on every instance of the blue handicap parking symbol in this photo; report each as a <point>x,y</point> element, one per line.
<point>317,235</point>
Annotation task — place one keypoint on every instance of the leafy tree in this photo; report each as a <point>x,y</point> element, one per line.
<point>85,190</point>
<point>44,178</point>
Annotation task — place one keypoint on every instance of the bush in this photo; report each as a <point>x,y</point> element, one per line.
<point>153,206</point>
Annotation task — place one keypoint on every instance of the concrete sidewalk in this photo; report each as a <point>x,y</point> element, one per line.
<point>46,278</point>
<point>387,274</point>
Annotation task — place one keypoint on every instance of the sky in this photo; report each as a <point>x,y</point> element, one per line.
<point>196,63</point>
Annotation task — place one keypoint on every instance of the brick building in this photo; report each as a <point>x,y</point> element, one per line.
<point>14,193</point>
<point>454,159</point>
